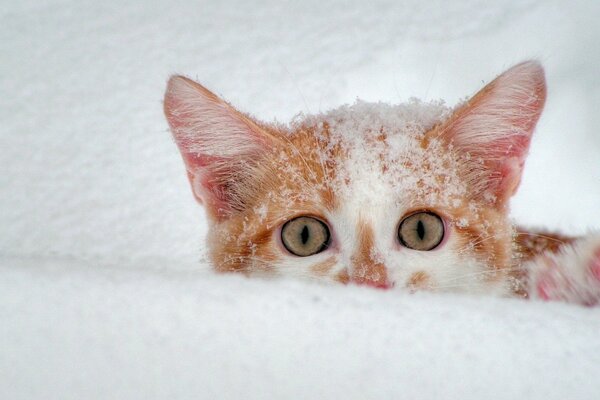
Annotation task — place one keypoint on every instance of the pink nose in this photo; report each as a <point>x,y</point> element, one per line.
<point>370,274</point>
<point>383,285</point>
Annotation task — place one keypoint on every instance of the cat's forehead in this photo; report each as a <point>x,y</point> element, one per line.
<point>374,154</point>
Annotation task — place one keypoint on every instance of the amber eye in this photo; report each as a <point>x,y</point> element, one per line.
<point>305,236</point>
<point>421,231</point>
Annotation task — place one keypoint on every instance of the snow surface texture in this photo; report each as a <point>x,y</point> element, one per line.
<point>101,291</point>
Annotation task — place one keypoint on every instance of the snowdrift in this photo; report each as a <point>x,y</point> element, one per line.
<point>72,331</point>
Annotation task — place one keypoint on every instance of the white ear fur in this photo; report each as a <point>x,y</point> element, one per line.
<point>214,139</point>
<point>493,130</point>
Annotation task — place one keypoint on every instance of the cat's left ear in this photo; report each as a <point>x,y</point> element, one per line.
<point>491,132</point>
<point>220,146</point>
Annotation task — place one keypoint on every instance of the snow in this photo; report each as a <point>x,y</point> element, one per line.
<point>106,332</point>
<point>103,290</point>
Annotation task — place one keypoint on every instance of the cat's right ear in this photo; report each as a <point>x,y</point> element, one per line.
<point>215,140</point>
<point>493,129</point>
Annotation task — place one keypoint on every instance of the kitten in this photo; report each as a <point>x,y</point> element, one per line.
<point>409,196</point>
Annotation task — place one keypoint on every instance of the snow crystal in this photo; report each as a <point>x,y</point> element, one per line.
<point>462,223</point>
<point>261,211</point>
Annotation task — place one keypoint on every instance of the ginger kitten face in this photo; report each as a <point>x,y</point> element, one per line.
<point>408,196</point>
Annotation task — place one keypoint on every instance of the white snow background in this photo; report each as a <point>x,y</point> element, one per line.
<point>103,292</point>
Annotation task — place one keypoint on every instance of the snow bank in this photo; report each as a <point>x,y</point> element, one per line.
<point>80,332</point>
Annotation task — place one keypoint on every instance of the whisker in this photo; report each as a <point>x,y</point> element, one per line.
<point>483,240</point>
<point>550,238</point>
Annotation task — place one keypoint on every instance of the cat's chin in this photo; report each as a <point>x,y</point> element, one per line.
<point>496,288</point>
<point>500,288</point>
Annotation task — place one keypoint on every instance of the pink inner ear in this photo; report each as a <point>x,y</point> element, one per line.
<point>205,186</point>
<point>495,127</point>
<point>212,193</point>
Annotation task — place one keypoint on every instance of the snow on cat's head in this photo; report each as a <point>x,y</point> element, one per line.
<point>407,196</point>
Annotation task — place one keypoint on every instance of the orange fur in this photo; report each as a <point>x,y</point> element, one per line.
<point>321,269</point>
<point>367,269</point>
<point>418,281</point>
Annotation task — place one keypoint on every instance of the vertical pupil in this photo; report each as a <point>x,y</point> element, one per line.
<point>304,234</point>
<point>420,230</point>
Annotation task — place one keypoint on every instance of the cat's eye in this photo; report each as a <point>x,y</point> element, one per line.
<point>421,231</point>
<point>305,236</point>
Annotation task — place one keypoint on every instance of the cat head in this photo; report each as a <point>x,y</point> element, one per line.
<point>414,195</point>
